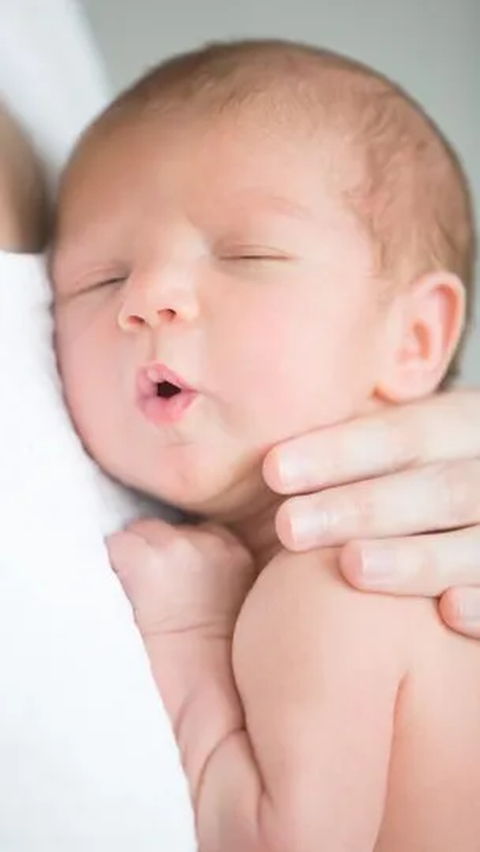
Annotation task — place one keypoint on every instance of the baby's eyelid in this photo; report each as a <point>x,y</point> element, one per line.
<point>254,253</point>
<point>104,281</point>
<point>114,279</point>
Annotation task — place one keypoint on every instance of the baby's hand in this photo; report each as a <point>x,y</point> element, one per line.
<point>182,580</point>
<point>187,586</point>
<point>23,199</point>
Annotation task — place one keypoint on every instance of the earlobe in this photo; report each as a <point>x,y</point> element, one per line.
<point>422,332</point>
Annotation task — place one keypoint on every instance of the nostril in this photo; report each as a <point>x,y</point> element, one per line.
<point>133,317</point>
<point>129,322</point>
<point>134,320</point>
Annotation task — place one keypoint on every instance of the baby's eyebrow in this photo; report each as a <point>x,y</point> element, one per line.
<point>64,260</point>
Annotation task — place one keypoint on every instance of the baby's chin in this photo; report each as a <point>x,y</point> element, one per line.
<point>222,493</point>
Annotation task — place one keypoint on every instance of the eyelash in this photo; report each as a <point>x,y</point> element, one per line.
<point>251,257</point>
<point>230,258</point>
<point>106,283</point>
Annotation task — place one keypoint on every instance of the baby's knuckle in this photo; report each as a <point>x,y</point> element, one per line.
<point>222,543</point>
<point>184,549</point>
<point>137,527</point>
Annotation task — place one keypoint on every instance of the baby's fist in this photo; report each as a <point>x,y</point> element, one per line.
<point>182,579</point>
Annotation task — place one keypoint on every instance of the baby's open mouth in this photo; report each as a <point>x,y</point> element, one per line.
<point>166,389</point>
<point>163,396</point>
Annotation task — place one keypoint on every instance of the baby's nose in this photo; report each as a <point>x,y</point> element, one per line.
<point>132,317</point>
<point>155,303</point>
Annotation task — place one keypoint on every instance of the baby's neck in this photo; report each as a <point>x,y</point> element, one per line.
<point>256,529</point>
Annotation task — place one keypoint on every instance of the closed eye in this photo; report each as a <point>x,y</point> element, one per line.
<point>256,255</point>
<point>104,282</point>
<point>107,281</point>
<point>259,257</point>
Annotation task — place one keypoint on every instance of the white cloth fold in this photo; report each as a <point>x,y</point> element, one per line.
<point>51,77</point>
<point>88,762</point>
<point>87,757</point>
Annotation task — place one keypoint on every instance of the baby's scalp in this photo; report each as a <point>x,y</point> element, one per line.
<point>394,168</point>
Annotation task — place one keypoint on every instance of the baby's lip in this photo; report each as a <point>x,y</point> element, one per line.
<point>151,375</point>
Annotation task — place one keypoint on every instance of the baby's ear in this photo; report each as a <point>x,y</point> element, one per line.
<point>423,329</point>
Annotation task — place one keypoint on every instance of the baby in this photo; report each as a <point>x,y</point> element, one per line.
<point>256,240</point>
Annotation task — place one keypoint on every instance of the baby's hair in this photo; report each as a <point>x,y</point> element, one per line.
<point>406,185</point>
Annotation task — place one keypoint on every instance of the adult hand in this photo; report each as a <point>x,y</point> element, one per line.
<point>400,490</point>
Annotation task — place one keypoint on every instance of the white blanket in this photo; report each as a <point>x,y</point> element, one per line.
<point>87,758</point>
<point>50,74</point>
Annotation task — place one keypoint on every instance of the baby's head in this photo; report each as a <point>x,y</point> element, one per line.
<point>257,239</point>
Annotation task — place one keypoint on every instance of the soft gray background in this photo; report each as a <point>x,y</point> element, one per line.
<point>432,47</point>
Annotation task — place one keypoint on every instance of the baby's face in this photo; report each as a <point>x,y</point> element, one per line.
<point>217,257</point>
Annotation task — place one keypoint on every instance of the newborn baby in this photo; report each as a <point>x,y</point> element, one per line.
<point>256,240</point>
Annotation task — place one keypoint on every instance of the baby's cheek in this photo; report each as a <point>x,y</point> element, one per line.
<point>81,367</point>
<point>65,352</point>
<point>319,377</point>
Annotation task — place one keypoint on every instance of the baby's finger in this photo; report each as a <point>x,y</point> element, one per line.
<point>124,549</point>
<point>154,531</point>
<point>460,609</point>
<point>425,565</point>
<point>134,563</point>
<point>428,499</point>
<point>439,429</point>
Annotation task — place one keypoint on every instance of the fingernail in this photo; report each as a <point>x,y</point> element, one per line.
<point>378,567</point>
<point>293,470</point>
<point>468,610</point>
<point>308,527</point>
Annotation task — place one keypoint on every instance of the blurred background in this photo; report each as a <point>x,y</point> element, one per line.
<point>432,47</point>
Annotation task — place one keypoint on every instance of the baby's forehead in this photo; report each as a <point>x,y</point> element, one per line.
<point>296,93</point>
<point>114,178</point>
<point>310,123</point>
<point>246,139</point>
<point>229,173</point>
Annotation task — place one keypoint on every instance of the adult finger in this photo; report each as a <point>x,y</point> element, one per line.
<point>442,428</point>
<point>427,499</point>
<point>425,565</point>
<point>460,609</point>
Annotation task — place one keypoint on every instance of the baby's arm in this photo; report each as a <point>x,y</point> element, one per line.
<point>319,673</point>
<point>23,204</point>
<point>318,669</point>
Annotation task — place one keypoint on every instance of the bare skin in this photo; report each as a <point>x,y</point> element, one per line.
<point>431,449</point>
<point>299,727</point>
<point>431,446</point>
<point>428,451</point>
<point>267,605</point>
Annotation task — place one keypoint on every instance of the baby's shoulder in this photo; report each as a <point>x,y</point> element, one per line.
<point>408,627</point>
<point>318,572</point>
<point>312,582</point>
